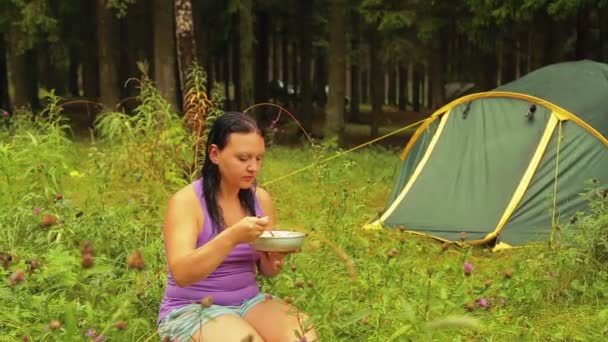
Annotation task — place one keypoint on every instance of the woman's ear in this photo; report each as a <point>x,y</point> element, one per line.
<point>214,153</point>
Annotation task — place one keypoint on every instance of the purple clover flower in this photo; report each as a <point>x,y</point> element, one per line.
<point>467,268</point>
<point>37,211</point>
<point>5,113</point>
<point>483,303</point>
<point>90,333</point>
<point>99,338</point>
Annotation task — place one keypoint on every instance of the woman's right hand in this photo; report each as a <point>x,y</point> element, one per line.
<point>248,229</point>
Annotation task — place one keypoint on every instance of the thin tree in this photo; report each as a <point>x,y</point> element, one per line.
<point>334,124</point>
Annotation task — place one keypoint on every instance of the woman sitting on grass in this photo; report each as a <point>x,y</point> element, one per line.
<point>212,293</point>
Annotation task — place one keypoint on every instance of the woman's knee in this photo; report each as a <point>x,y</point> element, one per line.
<point>226,328</point>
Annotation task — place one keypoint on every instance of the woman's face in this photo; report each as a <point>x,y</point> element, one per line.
<point>240,160</point>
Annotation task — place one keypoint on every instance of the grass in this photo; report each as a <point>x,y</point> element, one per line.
<point>391,295</point>
<point>75,218</point>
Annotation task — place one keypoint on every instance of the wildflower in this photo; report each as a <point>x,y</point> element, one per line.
<point>483,303</point>
<point>136,260</point>
<point>509,274</point>
<point>5,113</point>
<point>121,325</point>
<point>17,277</point>
<point>90,333</point>
<point>37,211</point>
<point>468,268</point>
<point>99,338</point>
<point>55,324</point>
<point>58,197</point>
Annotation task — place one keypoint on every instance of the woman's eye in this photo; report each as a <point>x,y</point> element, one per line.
<point>243,158</point>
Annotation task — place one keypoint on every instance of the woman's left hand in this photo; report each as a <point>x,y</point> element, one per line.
<point>272,262</point>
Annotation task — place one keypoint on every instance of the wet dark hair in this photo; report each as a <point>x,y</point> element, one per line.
<point>228,123</point>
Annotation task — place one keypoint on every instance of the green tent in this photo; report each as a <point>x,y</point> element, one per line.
<point>505,166</point>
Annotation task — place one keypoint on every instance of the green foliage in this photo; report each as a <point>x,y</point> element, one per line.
<point>152,145</point>
<point>120,6</point>
<point>362,285</point>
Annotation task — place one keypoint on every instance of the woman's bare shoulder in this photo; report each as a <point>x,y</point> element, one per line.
<point>184,200</point>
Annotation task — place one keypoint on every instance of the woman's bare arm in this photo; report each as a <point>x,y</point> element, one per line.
<point>187,263</point>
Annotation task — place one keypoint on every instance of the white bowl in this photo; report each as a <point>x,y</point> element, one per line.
<point>279,241</point>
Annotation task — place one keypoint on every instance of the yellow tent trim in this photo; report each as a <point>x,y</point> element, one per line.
<point>562,114</point>
<point>526,178</point>
<point>418,169</point>
<point>425,125</point>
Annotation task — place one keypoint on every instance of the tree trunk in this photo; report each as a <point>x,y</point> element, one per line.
<point>402,87</point>
<point>320,77</point>
<point>305,46</point>
<point>499,61</point>
<point>285,56</point>
<point>276,54</point>
<point>184,43</point>
<point>164,51</point>
<point>108,45</point>
<point>377,81</point>
<point>236,72</point>
<point>226,72</point>
<point>603,33</point>
<point>246,57</point>
<point>17,64</point>
<point>138,45</point>
<point>416,85</point>
<point>295,68</point>
<point>89,52</point>
<point>437,71</point>
<point>517,59</point>
<point>4,100</point>
<point>73,88</point>
<point>355,62</point>
<point>583,35</point>
<point>31,58</point>
<point>392,86</point>
<point>334,123</point>
<point>261,56</point>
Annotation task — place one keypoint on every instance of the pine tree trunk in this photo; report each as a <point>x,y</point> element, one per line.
<point>276,54</point>
<point>285,57</point>
<point>392,86</point>
<point>305,46</point>
<point>73,87</point>
<point>416,85</point>
<point>31,57</point>
<point>402,87</point>
<point>377,82</point>
<point>583,35</point>
<point>89,52</point>
<point>246,55</point>
<point>108,45</point>
<point>4,100</point>
<point>437,71</point>
<point>17,64</point>
<point>164,47</point>
<point>261,57</point>
<point>603,34</point>
<point>236,73</point>
<point>295,68</point>
<point>355,70</point>
<point>184,43</point>
<point>334,123</point>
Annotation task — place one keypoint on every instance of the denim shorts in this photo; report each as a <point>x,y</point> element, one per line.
<point>181,324</point>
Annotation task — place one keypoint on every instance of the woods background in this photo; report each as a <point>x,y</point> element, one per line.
<point>329,61</point>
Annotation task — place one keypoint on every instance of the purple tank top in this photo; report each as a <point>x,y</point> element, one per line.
<point>230,284</point>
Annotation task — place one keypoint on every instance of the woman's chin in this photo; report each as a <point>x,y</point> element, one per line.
<point>246,184</point>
